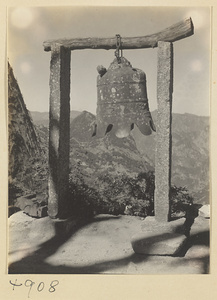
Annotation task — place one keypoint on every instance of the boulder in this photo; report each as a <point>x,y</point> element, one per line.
<point>31,206</point>
<point>23,201</point>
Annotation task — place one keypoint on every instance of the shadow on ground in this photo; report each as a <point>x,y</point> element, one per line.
<point>35,263</point>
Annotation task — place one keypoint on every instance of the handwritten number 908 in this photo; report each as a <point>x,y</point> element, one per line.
<point>29,283</point>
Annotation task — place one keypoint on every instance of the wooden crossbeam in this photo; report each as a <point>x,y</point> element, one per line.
<point>173,33</point>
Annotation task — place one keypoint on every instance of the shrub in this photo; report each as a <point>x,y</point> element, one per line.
<point>180,200</point>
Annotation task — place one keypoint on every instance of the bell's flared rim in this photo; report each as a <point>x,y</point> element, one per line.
<point>123,129</point>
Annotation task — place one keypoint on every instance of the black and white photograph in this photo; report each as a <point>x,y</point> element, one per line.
<point>108,140</point>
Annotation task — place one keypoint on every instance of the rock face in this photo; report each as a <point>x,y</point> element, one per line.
<point>23,143</point>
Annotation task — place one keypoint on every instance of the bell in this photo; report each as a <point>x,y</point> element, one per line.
<point>122,100</point>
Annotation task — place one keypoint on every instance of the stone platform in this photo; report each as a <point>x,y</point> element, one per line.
<point>101,246</point>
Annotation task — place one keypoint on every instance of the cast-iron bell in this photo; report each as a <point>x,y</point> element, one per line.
<point>122,100</point>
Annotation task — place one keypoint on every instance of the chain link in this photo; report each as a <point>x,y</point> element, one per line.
<point>118,48</point>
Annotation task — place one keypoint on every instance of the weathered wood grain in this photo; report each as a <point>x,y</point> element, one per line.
<point>173,33</point>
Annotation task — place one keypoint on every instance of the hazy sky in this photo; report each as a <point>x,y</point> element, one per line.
<point>29,27</point>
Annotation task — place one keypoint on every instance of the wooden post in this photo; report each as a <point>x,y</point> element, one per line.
<point>163,126</point>
<point>59,131</point>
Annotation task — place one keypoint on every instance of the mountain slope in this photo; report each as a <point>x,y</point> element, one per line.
<point>42,118</point>
<point>111,151</point>
<point>190,153</point>
<point>107,171</point>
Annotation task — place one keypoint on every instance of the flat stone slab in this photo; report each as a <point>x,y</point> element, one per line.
<point>197,252</point>
<point>200,225</point>
<point>166,244</point>
<point>150,224</point>
<point>204,211</point>
<point>159,238</point>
